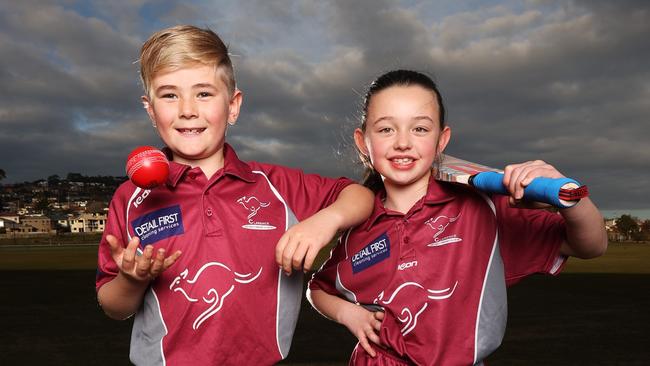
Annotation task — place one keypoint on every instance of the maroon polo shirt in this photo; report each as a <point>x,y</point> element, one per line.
<point>225,301</point>
<point>440,271</point>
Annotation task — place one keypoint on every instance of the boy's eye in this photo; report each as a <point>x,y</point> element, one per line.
<point>385,130</point>
<point>168,96</point>
<point>204,94</point>
<point>421,129</point>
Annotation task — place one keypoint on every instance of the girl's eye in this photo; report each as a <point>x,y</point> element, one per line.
<point>385,130</point>
<point>168,96</point>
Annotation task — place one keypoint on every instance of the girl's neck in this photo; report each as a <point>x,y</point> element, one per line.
<point>401,198</point>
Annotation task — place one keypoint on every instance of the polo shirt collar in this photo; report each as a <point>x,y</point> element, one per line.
<point>437,193</point>
<point>231,166</point>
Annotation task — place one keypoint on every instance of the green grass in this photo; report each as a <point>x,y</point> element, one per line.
<point>620,258</point>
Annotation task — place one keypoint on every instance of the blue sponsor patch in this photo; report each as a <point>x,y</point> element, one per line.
<point>373,253</point>
<point>158,225</point>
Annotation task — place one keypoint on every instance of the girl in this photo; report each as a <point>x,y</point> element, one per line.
<point>425,278</point>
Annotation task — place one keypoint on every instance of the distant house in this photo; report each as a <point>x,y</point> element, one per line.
<point>88,223</point>
<point>41,223</point>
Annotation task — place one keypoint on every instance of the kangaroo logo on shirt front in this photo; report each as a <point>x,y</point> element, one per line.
<point>439,224</point>
<point>203,288</point>
<point>409,293</point>
<point>253,205</point>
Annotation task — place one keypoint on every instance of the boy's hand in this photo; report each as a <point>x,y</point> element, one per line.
<point>517,176</point>
<point>141,268</point>
<point>365,325</point>
<point>298,246</point>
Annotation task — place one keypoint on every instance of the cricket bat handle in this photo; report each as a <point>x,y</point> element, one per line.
<point>559,192</point>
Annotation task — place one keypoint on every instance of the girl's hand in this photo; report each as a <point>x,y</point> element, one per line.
<point>364,325</point>
<point>140,268</point>
<point>517,176</point>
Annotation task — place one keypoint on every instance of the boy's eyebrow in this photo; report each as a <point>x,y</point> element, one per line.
<point>204,85</point>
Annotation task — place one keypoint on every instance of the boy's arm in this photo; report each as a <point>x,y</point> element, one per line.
<point>586,236</point>
<point>300,244</point>
<point>362,323</point>
<point>122,296</point>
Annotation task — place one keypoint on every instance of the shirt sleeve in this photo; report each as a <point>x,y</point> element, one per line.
<point>529,240</point>
<point>326,277</point>
<point>115,225</point>
<point>306,194</point>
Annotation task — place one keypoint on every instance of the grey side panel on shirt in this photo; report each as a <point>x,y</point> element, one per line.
<point>289,297</point>
<point>493,312</point>
<point>146,343</point>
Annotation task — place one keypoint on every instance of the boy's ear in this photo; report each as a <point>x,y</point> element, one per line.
<point>443,139</point>
<point>360,141</point>
<point>235,106</point>
<point>147,106</point>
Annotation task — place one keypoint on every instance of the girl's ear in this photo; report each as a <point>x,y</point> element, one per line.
<point>360,141</point>
<point>443,139</point>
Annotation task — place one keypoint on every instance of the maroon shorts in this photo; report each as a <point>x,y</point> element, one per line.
<point>384,357</point>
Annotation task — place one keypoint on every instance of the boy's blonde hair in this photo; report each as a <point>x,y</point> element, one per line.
<point>184,45</point>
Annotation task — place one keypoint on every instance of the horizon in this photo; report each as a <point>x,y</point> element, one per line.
<point>521,81</point>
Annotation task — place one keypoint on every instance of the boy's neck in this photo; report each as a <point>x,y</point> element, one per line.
<point>209,165</point>
<point>403,198</point>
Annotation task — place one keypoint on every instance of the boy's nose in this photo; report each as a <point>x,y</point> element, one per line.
<point>187,109</point>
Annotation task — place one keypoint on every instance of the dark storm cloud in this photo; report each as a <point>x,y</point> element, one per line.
<point>563,81</point>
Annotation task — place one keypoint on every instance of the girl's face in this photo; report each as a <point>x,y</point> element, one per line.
<point>403,135</point>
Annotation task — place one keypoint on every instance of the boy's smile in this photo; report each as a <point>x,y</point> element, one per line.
<point>191,108</point>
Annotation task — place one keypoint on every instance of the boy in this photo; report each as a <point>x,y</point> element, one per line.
<point>223,301</point>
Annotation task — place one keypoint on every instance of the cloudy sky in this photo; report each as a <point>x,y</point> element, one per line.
<point>563,81</point>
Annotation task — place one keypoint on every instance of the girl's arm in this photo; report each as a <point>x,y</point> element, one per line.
<point>585,227</point>
<point>299,245</point>
<point>362,323</point>
<point>585,231</point>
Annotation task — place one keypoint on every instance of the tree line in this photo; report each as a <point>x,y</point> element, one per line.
<point>628,226</point>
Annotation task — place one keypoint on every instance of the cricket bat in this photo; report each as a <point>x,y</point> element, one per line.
<point>559,192</point>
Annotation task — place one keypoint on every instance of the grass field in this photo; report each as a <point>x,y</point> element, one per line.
<point>620,258</point>
<point>596,313</point>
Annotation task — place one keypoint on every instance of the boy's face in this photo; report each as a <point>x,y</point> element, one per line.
<point>191,108</point>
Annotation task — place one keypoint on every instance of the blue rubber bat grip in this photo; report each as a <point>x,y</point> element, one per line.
<point>541,189</point>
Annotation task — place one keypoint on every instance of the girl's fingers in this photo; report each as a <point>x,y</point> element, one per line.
<point>363,341</point>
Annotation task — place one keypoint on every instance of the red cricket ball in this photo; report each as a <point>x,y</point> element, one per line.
<point>147,167</point>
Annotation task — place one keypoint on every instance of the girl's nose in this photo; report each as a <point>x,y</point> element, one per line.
<point>402,141</point>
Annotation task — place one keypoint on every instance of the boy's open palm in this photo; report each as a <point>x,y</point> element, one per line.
<point>298,246</point>
<point>143,267</point>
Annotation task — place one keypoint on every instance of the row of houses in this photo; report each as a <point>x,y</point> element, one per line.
<point>12,224</point>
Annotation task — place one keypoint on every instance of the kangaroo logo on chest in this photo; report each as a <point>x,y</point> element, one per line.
<point>211,284</point>
<point>439,224</point>
<point>416,298</point>
<point>253,205</point>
